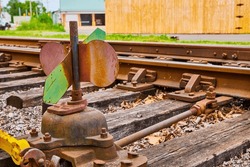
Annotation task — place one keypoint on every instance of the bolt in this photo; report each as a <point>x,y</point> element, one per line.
<point>47,137</point>
<point>125,163</point>
<point>41,162</point>
<point>215,54</point>
<point>130,49</point>
<point>33,132</point>
<point>132,155</point>
<point>104,133</point>
<point>99,163</point>
<point>177,92</point>
<point>234,56</point>
<point>210,94</point>
<point>134,83</point>
<point>224,55</point>
<point>191,94</point>
<point>124,82</point>
<point>157,50</point>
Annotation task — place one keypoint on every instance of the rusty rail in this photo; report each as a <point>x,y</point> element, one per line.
<point>220,62</point>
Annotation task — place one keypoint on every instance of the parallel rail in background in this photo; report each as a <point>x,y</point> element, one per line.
<point>228,64</point>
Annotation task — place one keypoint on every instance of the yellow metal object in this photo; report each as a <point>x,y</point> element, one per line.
<point>12,146</point>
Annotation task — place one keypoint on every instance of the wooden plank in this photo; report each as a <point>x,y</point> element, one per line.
<point>20,75</point>
<point>175,16</point>
<point>22,84</point>
<point>102,99</point>
<point>9,70</point>
<point>135,119</point>
<point>205,147</point>
<point>34,97</point>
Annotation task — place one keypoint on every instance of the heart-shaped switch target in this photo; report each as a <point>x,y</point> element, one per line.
<point>98,63</point>
<point>51,55</point>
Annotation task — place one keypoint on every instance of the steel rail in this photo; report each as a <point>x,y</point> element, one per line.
<point>170,61</point>
<point>224,52</point>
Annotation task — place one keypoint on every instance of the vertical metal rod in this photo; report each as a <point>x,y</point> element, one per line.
<point>147,131</point>
<point>74,46</point>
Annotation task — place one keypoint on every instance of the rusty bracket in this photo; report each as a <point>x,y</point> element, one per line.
<point>194,86</point>
<point>138,79</point>
<point>33,157</point>
<point>68,108</point>
<point>5,57</point>
<point>210,103</point>
<point>236,64</point>
<point>198,61</point>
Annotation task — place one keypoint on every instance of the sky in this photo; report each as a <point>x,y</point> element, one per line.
<point>50,5</point>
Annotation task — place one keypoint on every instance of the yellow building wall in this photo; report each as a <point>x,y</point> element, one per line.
<point>177,16</point>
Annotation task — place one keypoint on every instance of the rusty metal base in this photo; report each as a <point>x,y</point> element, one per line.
<point>135,88</point>
<point>188,97</point>
<point>88,157</point>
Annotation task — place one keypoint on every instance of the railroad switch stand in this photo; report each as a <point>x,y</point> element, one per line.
<point>73,132</point>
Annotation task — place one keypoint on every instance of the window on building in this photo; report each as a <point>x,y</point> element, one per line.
<point>86,19</point>
<point>100,19</point>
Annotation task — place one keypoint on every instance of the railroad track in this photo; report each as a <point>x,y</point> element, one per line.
<point>143,69</point>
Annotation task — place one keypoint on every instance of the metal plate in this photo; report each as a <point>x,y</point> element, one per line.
<point>98,63</point>
<point>97,34</point>
<point>58,81</point>
<point>51,55</point>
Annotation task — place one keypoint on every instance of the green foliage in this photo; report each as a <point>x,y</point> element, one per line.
<point>42,22</point>
<point>14,7</point>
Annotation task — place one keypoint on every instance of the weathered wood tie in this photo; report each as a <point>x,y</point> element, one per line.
<point>205,147</point>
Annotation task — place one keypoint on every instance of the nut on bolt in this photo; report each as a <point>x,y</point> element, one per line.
<point>210,94</point>
<point>104,133</point>
<point>125,163</point>
<point>134,83</point>
<point>99,163</point>
<point>33,132</point>
<point>47,137</point>
<point>132,155</point>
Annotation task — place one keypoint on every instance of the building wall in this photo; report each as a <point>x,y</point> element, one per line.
<point>177,16</point>
<point>86,12</point>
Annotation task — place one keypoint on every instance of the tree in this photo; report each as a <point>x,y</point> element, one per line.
<point>14,7</point>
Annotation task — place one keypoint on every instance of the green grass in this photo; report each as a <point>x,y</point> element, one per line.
<point>37,34</point>
<point>119,37</point>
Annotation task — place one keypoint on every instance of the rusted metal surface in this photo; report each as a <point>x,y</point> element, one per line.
<point>169,74</point>
<point>143,133</point>
<point>195,87</point>
<point>75,60</point>
<point>94,145</point>
<point>204,106</point>
<point>98,63</point>
<point>69,108</point>
<point>170,61</point>
<point>51,55</point>
<point>33,157</point>
<point>182,51</point>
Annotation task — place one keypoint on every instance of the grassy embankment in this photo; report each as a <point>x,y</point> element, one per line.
<point>139,38</point>
<point>43,27</point>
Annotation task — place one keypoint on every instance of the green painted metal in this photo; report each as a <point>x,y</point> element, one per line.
<point>56,85</point>
<point>97,34</point>
<point>58,81</point>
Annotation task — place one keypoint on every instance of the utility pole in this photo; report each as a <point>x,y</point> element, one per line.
<point>0,8</point>
<point>30,9</point>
